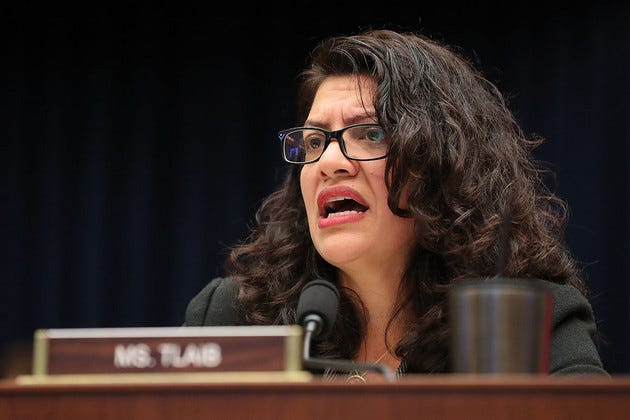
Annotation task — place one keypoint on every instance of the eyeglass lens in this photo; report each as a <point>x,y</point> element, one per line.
<point>360,142</point>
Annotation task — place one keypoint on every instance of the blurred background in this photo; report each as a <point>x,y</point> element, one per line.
<point>138,141</point>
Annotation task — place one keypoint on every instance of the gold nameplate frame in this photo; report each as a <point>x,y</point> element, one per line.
<point>95,351</point>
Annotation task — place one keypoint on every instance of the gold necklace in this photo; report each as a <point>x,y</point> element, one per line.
<point>359,377</point>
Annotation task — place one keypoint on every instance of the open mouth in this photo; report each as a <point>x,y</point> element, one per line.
<point>341,206</point>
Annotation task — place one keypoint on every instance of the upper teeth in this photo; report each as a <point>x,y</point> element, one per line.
<point>338,199</point>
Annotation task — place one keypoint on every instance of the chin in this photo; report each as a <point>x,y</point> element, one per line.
<point>341,253</point>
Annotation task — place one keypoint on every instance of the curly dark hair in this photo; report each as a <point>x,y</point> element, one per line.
<point>465,165</point>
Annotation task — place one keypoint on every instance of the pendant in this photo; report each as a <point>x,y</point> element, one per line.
<point>356,378</point>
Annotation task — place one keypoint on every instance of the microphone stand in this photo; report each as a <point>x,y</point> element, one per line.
<point>339,365</point>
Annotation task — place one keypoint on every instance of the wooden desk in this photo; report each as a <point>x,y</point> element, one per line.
<point>442,397</point>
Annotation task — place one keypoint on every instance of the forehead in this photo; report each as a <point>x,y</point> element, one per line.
<point>348,96</point>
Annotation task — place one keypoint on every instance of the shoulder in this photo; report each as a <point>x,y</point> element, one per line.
<point>568,302</point>
<point>573,337</point>
<point>213,305</point>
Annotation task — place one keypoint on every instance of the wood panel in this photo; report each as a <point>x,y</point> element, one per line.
<point>431,397</point>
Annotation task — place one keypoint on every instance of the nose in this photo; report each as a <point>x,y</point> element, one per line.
<point>333,163</point>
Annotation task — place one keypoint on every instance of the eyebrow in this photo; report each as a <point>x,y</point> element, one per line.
<point>357,119</point>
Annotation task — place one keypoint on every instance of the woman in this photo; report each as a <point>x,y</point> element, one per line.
<point>405,163</point>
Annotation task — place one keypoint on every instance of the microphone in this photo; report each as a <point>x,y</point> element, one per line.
<point>316,312</point>
<point>317,307</point>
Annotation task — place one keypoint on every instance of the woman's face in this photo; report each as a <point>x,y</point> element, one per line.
<point>363,234</point>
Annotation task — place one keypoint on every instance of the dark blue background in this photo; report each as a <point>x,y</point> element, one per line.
<point>138,142</point>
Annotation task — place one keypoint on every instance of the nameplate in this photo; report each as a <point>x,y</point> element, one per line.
<point>167,349</point>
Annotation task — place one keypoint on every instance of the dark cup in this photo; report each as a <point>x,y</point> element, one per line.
<point>500,325</point>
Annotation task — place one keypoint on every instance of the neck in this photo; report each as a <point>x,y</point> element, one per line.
<point>379,295</point>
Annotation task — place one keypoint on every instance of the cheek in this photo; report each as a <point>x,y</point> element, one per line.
<point>307,187</point>
<point>404,196</point>
<point>376,176</point>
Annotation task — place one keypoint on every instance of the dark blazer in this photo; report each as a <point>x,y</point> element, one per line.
<point>573,349</point>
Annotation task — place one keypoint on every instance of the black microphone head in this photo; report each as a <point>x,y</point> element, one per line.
<point>319,297</point>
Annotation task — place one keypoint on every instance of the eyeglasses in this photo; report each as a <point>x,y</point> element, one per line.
<point>357,142</point>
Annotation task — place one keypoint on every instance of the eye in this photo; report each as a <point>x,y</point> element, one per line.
<point>375,134</point>
<point>314,140</point>
<point>372,135</point>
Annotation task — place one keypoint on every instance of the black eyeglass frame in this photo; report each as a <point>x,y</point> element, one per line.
<point>337,135</point>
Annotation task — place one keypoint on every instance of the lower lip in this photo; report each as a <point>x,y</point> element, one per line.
<point>338,220</point>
